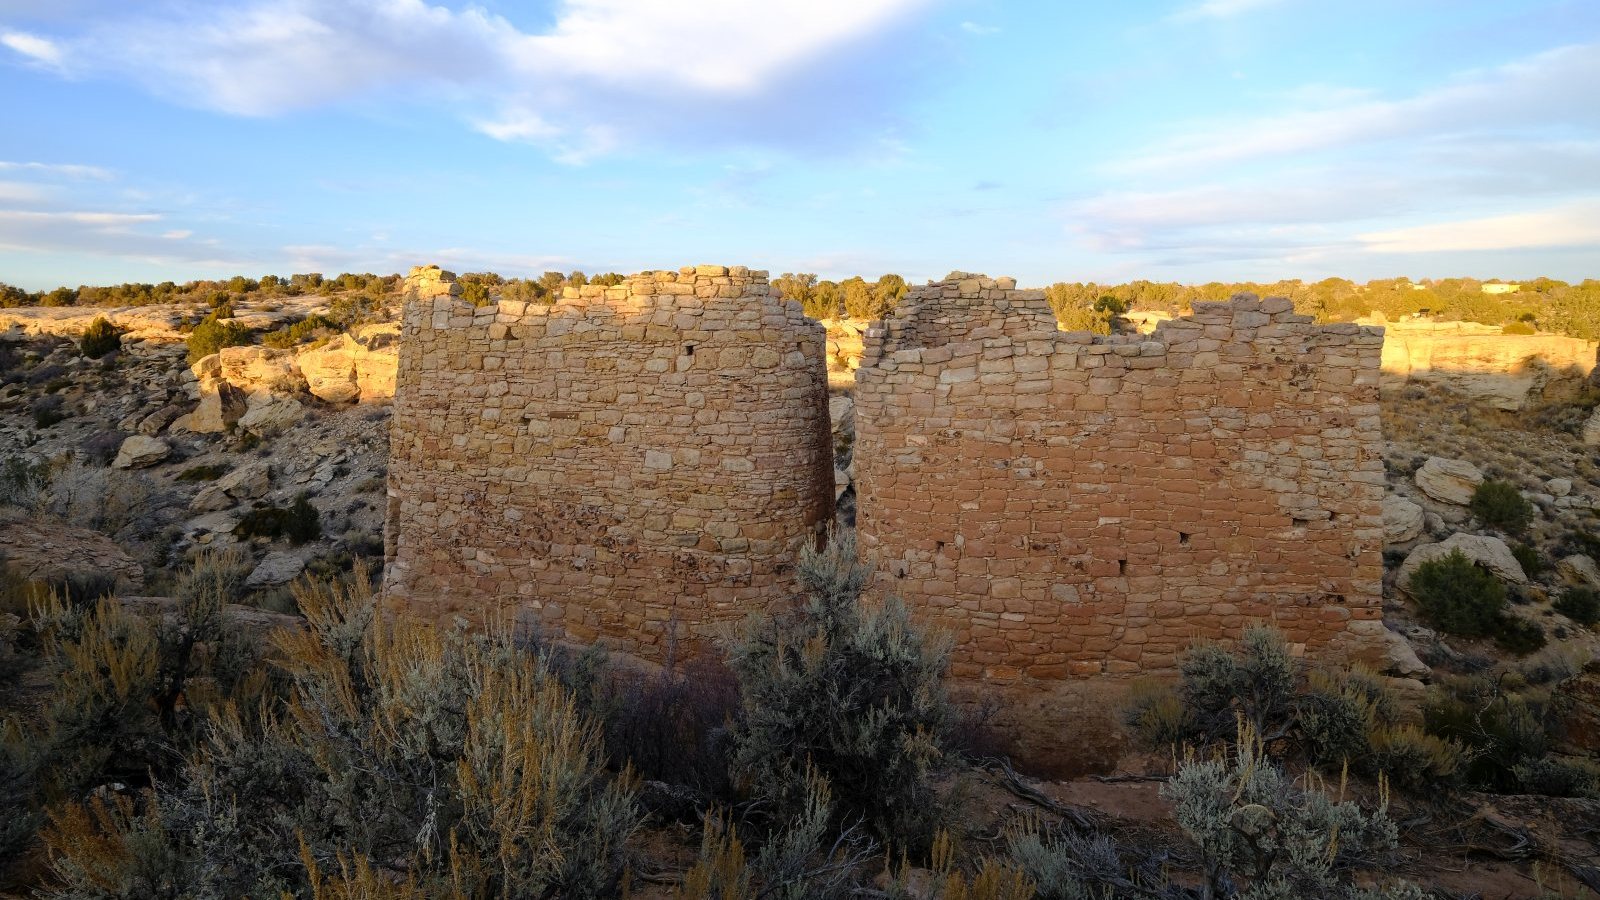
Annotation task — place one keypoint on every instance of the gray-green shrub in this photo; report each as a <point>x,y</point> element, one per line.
<point>1251,824</point>
<point>850,689</point>
<point>452,758</point>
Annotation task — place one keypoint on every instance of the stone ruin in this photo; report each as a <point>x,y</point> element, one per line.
<point>632,464</point>
<point>1076,509</point>
<point>639,463</point>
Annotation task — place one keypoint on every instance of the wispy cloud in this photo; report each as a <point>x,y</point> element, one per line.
<point>65,170</point>
<point>1568,225</point>
<point>980,30</point>
<point>81,210</point>
<point>1479,162</point>
<point>1549,88</point>
<point>605,73</point>
<point>92,233</point>
<point>32,46</point>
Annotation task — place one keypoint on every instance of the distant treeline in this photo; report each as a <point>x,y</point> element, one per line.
<point>1543,303</point>
<point>211,292</point>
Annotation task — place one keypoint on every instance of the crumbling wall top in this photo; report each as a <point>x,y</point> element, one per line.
<point>716,297</point>
<point>968,313</point>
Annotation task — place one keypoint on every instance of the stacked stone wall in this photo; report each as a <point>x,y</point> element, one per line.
<point>1075,509</point>
<point>630,463</point>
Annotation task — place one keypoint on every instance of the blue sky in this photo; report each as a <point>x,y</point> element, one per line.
<point>1184,140</point>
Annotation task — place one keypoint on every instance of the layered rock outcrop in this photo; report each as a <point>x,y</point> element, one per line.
<point>1481,360</point>
<point>54,551</point>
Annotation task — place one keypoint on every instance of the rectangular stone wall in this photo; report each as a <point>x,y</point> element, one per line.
<point>631,462</point>
<point>1077,509</point>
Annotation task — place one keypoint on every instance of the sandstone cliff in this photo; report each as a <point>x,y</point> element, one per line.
<point>1482,361</point>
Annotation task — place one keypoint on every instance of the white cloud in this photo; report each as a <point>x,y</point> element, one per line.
<point>707,46</point>
<point>1488,157</point>
<point>603,75</point>
<point>36,48</point>
<point>94,233</point>
<point>22,192</point>
<point>1219,9</point>
<point>975,28</point>
<point>105,220</point>
<point>1551,88</point>
<point>65,170</point>
<point>1574,224</point>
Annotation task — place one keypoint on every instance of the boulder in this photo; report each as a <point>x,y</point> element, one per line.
<point>1402,520</point>
<point>1449,480</point>
<point>1372,645</point>
<point>1580,568</point>
<point>1400,659</point>
<point>842,413</point>
<point>244,483</point>
<point>379,361</point>
<point>1591,429</point>
<point>1488,552</point>
<point>221,405</point>
<point>49,551</point>
<point>1558,487</point>
<point>268,414</point>
<point>330,371</point>
<point>139,451</point>
<point>161,418</point>
<point>207,367</point>
<point>353,367</point>
<point>276,568</point>
<point>253,369</point>
<point>214,527</point>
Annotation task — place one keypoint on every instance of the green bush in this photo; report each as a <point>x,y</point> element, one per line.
<point>849,689</point>
<point>1529,558</point>
<point>48,411</point>
<point>1580,604</point>
<point>299,522</point>
<point>1413,759</point>
<point>1555,777</point>
<point>203,473</point>
<point>1337,715</point>
<point>293,335</point>
<point>1335,718</point>
<point>100,338</point>
<point>1257,680</point>
<point>1518,635</point>
<point>1498,728</point>
<point>1457,596</point>
<point>215,332</point>
<point>797,862</point>
<point>1498,504</point>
